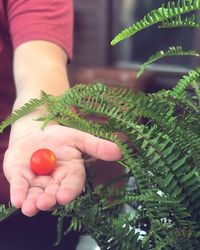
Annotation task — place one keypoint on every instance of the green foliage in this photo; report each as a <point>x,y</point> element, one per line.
<point>27,108</point>
<point>162,153</point>
<point>178,22</point>
<point>171,10</point>
<point>6,211</point>
<point>172,51</point>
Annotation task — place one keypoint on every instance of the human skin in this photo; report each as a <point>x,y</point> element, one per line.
<point>42,65</point>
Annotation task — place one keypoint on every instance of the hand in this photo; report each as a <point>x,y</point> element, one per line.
<point>33,193</point>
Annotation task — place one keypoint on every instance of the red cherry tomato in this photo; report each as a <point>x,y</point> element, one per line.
<point>43,162</point>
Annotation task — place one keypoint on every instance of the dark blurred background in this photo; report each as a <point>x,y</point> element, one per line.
<point>97,22</point>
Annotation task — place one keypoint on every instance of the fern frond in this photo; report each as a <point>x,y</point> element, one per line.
<point>59,230</point>
<point>196,86</point>
<point>106,226</point>
<point>149,196</point>
<point>172,51</point>
<point>186,80</point>
<point>161,14</point>
<point>6,211</point>
<point>178,21</point>
<point>162,150</point>
<point>27,108</point>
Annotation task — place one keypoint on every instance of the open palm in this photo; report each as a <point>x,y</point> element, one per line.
<point>33,193</point>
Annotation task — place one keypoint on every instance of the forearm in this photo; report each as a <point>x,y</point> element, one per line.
<point>38,66</point>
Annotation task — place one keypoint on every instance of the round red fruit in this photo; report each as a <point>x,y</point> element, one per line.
<point>43,161</point>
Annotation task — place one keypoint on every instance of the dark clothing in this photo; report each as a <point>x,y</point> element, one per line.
<point>37,233</point>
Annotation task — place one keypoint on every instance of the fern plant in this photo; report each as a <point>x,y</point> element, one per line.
<point>162,153</point>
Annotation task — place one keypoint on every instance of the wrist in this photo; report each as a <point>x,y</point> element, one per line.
<point>26,125</point>
<point>35,72</point>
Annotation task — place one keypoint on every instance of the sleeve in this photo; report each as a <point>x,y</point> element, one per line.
<point>41,20</point>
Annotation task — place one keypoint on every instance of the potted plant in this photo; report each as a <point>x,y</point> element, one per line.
<point>161,152</point>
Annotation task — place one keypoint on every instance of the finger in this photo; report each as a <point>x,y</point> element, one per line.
<point>99,148</point>
<point>48,199</point>
<point>29,207</point>
<point>18,190</point>
<point>96,147</point>
<point>71,187</point>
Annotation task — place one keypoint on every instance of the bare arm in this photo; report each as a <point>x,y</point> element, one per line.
<point>38,65</point>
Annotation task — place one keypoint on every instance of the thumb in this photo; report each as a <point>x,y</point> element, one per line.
<point>96,147</point>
